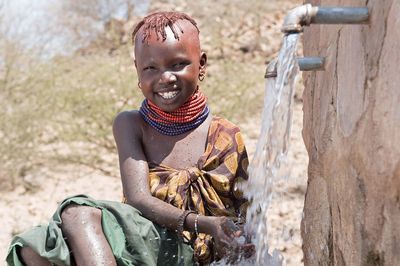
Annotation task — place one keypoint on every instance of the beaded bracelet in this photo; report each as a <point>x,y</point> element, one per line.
<point>196,220</point>
<point>181,222</point>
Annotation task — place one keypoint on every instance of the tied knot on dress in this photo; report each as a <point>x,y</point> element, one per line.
<point>193,174</point>
<point>207,189</point>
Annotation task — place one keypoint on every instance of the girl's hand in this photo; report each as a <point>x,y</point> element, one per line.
<point>226,234</point>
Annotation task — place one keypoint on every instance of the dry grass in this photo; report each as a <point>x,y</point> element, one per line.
<point>73,99</point>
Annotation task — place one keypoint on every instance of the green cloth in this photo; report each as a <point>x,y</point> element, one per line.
<point>134,240</point>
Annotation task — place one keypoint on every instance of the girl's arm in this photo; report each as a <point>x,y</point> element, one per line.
<point>134,174</point>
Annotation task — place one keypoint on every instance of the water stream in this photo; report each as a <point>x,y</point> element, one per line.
<point>267,165</point>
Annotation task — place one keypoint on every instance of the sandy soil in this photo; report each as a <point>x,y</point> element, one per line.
<point>22,208</point>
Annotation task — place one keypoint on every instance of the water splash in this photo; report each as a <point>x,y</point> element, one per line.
<point>271,152</point>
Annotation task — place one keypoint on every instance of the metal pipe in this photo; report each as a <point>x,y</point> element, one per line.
<point>341,15</point>
<point>297,18</point>
<point>310,63</point>
<point>305,15</point>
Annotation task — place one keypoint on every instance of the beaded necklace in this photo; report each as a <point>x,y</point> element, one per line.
<point>187,117</point>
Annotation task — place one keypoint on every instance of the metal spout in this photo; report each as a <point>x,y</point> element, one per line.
<point>297,18</point>
<point>305,15</point>
<point>310,63</point>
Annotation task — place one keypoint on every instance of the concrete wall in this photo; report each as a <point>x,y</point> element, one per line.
<point>352,135</point>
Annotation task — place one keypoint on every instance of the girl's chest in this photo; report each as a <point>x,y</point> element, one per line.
<point>178,152</point>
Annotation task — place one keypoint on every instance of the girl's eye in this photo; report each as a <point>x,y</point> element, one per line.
<point>148,68</point>
<point>179,65</point>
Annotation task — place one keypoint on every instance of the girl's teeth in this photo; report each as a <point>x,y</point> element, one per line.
<point>168,95</point>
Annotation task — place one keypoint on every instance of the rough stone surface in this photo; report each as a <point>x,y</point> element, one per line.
<point>352,135</point>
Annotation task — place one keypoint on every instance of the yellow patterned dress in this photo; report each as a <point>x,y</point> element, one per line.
<point>210,188</point>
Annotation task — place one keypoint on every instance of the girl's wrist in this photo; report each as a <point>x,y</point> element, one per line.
<point>204,224</point>
<point>182,222</point>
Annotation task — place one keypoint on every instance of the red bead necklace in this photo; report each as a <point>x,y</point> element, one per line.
<point>188,112</point>
<point>187,117</point>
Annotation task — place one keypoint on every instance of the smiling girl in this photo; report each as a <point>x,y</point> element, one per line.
<point>180,168</point>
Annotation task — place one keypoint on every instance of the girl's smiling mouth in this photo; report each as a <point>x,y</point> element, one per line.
<point>168,94</point>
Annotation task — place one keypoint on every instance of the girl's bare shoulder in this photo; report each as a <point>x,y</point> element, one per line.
<point>128,123</point>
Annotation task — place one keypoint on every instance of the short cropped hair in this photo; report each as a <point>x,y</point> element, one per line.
<point>158,21</point>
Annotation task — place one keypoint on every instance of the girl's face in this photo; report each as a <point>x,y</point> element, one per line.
<point>168,70</point>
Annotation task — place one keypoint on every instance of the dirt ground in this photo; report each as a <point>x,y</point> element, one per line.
<point>21,209</point>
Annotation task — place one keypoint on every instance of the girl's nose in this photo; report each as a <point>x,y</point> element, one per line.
<point>167,77</point>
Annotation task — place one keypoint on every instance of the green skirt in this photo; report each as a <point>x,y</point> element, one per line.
<point>134,240</point>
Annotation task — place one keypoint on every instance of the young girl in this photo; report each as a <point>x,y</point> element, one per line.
<point>180,169</point>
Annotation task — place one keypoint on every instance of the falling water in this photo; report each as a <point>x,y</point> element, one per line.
<point>272,147</point>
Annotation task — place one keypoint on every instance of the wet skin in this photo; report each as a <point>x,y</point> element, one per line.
<point>168,73</point>
<point>161,69</point>
<point>171,69</point>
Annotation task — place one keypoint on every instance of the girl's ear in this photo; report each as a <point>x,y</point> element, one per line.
<point>203,65</point>
<point>203,61</point>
